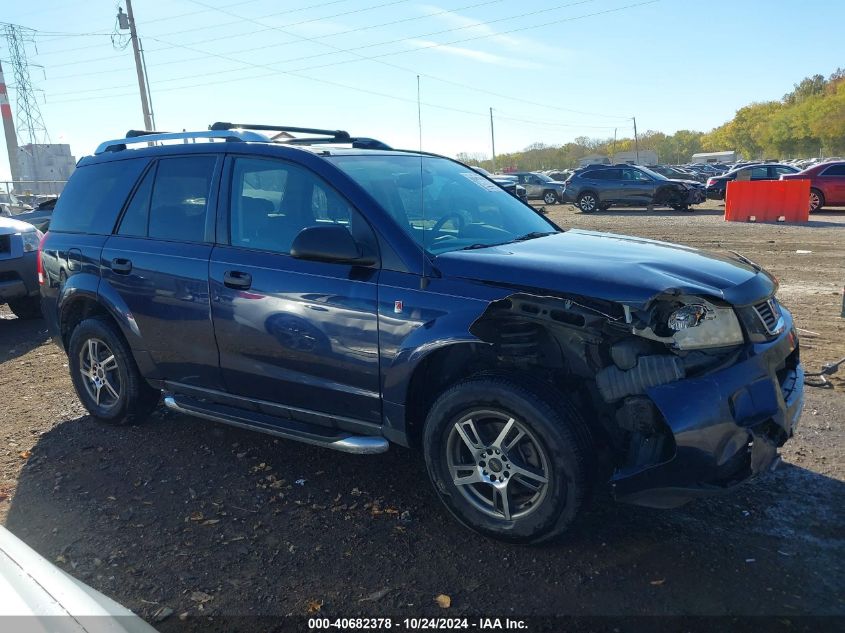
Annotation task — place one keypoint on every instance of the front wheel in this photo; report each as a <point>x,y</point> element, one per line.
<point>508,458</point>
<point>588,202</point>
<point>550,197</point>
<point>104,373</point>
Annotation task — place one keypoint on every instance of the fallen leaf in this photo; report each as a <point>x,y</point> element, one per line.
<point>657,583</point>
<point>443,601</point>
<point>210,522</point>
<point>313,606</point>
<point>376,595</point>
<point>196,516</point>
<point>200,596</point>
<point>25,454</point>
<point>162,614</point>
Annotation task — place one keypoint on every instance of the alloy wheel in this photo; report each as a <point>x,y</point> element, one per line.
<point>588,203</point>
<point>549,198</point>
<point>497,464</point>
<point>815,202</point>
<point>100,375</point>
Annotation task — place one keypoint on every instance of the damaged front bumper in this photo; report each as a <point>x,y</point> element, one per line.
<point>726,426</point>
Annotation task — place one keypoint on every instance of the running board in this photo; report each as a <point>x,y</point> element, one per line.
<point>288,429</point>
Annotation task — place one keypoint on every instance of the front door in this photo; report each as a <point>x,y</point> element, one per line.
<point>637,187</point>
<point>158,263</point>
<point>303,334</point>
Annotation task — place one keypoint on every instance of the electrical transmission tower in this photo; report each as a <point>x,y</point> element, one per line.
<point>30,124</point>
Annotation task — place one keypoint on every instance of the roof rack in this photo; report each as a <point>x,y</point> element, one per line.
<point>325,137</point>
<point>150,136</point>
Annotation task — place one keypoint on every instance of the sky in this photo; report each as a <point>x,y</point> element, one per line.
<point>552,70</point>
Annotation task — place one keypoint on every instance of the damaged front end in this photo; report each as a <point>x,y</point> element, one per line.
<point>687,395</point>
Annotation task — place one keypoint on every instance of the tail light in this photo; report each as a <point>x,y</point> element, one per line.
<point>40,262</point>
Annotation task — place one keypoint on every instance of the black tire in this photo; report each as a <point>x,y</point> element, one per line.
<point>563,451</point>
<point>135,398</point>
<point>27,308</point>
<point>588,202</point>
<point>605,206</point>
<point>816,200</point>
<point>681,207</point>
<point>550,197</point>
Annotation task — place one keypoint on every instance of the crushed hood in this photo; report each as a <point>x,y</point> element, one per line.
<point>628,270</point>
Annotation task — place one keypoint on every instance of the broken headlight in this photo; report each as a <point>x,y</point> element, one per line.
<point>693,323</point>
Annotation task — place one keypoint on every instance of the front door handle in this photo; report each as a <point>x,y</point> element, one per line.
<point>121,266</point>
<point>237,280</point>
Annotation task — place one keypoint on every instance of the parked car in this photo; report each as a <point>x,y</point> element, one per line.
<point>560,175</point>
<point>350,298</point>
<point>40,216</point>
<point>717,185</point>
<point>827,184</point>
<point>601,186</point>
<point>36,592</point>
<point>18,277</point>
<point>539,186</point>
<point>11,205</point>
<point>507,183</point>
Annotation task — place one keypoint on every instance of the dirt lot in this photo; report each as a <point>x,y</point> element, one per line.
<point>203,519</point>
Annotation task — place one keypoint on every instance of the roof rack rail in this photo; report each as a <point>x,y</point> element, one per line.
<point>326,137</point>
<point>144,136</point>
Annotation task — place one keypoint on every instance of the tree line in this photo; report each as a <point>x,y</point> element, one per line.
<point>808,121</point>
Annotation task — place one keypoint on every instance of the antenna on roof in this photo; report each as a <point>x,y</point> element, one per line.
<point>423,279</point>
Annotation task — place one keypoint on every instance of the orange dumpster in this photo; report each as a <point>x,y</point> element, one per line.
<point>767,201</point>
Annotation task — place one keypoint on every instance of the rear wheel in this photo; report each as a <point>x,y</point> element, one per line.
<point>816,200</point>
<point>28,308</point>
<point>508,459</point>
<point>588,202</point>
<point>105,375</point>
<point>550,197</point>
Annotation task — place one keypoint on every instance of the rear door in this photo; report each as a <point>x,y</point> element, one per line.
<point>157,261</point>
<point>302,334</point>
<point>832,181</point>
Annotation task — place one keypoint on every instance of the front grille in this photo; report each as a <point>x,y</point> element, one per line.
<point>769,314</point>
<point>5,243</point>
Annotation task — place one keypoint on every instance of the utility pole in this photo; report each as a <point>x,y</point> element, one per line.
<point>636,138</point>
<point>614,146</point>
<point>128,21</point>
<point>493,139</point>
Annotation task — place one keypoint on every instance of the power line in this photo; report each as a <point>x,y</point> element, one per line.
<point>376,58</point>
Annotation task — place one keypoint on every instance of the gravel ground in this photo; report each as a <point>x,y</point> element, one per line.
<point>184,515</point>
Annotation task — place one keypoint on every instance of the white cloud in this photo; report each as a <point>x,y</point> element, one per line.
<point>471,28</point>
<point>470,53</point>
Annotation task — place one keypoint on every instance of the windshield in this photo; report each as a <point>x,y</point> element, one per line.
<point>443,205</point>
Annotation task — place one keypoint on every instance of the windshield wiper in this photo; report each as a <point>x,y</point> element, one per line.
<point>533,235</point>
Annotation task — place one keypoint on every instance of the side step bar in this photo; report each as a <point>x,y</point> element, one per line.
<point>288,429</point>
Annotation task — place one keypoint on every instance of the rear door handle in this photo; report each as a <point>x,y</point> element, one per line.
<point>121,266</point>
<point>237,279</point>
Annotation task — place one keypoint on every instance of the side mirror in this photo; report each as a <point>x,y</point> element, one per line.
<point>332,243</point>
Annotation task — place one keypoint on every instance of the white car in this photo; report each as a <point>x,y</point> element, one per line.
<point>37,596</point>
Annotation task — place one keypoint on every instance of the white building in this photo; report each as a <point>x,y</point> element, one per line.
<point>715,157</point>
<point>644,157</point>
<point>43,169</point>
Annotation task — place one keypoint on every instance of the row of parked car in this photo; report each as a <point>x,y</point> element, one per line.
<point>598,187</point>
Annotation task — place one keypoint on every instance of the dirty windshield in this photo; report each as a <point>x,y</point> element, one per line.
<point>442,204</point>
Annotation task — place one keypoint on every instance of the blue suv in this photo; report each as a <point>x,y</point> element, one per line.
<point>328,289</point>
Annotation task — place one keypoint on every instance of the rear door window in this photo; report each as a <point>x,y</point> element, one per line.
<point>835,170</point>
<point>179,201</point>
<point>134,222</point>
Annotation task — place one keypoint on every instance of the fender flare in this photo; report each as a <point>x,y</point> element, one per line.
<point>91,287</point>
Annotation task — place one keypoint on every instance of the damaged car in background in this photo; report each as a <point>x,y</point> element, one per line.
<point>353,297</point>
